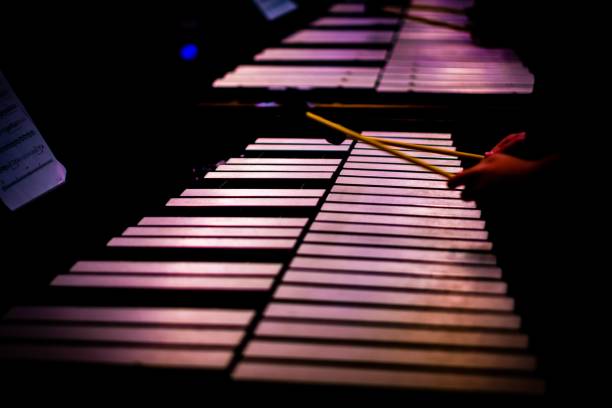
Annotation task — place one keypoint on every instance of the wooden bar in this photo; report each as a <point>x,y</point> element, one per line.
<point>441,81</point>
<point>296,76</point>
<point>398,200</point>
<point>395,167</point>
<point>404,69</point>
<point>458,66</point>
<point>297,140</point>
<point>416,175</point>
<point>402,210</point>
<point>395,267</point>
<point>267,175</point>
<point>354,333</point>
<point>390,182</point>
<point>377,240</point>
<point>399,220</point>
<point>209,283</point>
<point>267,76</point>
<point>245,202</point>
<point>294,82</point>
<point>396,160</point>
<point>321,54</point>
<point>225,221</point>
<point>355,21</point>
<point>252,192</point>
<point>363,251</point>
<point>302,148</point>
<point>274,167</point>
<point>216,243</point>
<point>138,315</point>
<point>137,335</point>
<point>213,232</point>
<point>348,8</point>
<point>394,282</point>
<point>300,373</point>
<point>305,75</point>
<point>393,298</point>
<point>388,315</point>
<point>147,357</point>
<point>340,37</point>
<point>391,135</point>
<point>307,70</point>
<point>177,268</point>
<point>446,143</point>
<point>415,153</point>
<point>475,239</point>
<point>453,195</point>
<point>389,355</point>
<point>271,160</point>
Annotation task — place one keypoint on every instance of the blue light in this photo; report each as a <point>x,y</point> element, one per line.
<point>189,52</point>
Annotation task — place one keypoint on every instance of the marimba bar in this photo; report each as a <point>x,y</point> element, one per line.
<point>375,334</point>
<point>398,200</point>
<point>423,233</point>
<point>177,268</point>
<point>224,221</point>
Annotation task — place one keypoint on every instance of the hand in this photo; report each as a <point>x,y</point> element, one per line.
<point>498,171</point>
<point>507,143</point>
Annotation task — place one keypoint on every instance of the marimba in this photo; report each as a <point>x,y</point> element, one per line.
<point>297,262</point>
<point>425,48</point>
<point>301,262</point>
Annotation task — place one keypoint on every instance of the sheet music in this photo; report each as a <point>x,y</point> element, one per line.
<point>273,9</point>
<point>28,168</point>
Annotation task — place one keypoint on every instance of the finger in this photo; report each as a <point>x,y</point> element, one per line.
<point>456,180</point>
<point>461,178</point>
<point>502,142</point>
<point>508,142</point>
<point>503,145</point>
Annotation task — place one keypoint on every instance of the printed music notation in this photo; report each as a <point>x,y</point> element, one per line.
<point>28,168</point>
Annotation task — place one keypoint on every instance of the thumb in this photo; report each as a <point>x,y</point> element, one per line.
<point>461,178</point>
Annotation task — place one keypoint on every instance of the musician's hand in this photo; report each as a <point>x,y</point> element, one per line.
<point>507,143</point>
<point>499,171</point>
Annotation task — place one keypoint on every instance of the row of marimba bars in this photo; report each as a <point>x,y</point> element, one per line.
<point>425,58</point>
<point>407,267</point>
<point>331,46</point>
<point>438,59</point>
<point>174,254</point>
<point>394,285</point>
